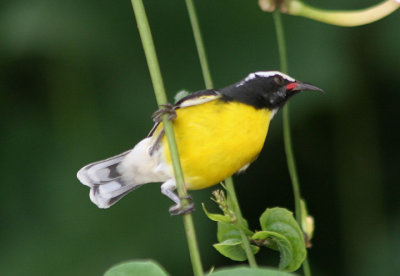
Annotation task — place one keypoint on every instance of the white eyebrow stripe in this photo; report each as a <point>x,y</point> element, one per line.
<point>264,74</point>
<point>267,74</point>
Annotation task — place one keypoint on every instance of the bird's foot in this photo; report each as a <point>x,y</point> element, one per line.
<point>178,209</point>
<point>166,109</point>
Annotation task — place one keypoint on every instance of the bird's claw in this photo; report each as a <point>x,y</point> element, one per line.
<point>166,109</point>
<point>178,209</point>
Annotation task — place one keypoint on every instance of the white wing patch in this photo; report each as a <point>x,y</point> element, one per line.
<point>199,100</point>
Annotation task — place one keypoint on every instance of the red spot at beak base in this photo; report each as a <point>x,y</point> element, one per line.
<point>291,86</point>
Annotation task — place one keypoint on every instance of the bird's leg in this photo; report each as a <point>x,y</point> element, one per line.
<point>167,188</point>
<point>166,109</point>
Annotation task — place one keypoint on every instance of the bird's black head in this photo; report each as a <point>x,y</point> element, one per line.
<point>265,89</point>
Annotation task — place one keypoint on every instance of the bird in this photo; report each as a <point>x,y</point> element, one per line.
<point>218,132</point>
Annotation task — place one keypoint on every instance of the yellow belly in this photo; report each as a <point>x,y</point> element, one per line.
<point>217,139</point>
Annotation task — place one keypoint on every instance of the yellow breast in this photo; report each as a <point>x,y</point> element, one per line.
<point>216,139</point>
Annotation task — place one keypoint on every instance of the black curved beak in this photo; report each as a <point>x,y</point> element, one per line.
<point>301,86</point>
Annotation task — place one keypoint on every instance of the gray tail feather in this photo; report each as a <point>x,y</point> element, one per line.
<point>105,181</point>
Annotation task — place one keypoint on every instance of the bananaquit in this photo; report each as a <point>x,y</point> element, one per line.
<point>218,132</point>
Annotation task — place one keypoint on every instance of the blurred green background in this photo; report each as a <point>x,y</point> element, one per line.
<point>74,88</point>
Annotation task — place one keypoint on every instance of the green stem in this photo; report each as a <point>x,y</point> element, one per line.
<point>199,44</point>
<point>161,97</point>
<point>286,131</point>
<point>234,205</point>
<point>291,162</point>
<point>209,84</point>
<point>281,41</point>
<point>247,249</point>
<point>232,197</point>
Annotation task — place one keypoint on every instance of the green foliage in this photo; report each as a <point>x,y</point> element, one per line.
<point>246,271</point>
<point>216,217</point>
<point>281,232</point>
<point>233,231</point>
<point>229,231</point>
<point>230,242</point>
<point>234,250</point>
<point>142,268</point>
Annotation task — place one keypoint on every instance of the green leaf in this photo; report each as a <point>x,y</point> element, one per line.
<point>142,268</point>
<point>216,217</point>
<point>230,242</point>
<point>246,271</point>
<point>227,231</point>
<point>279,225</point>
<point>233,249</point>
<point>277,242</point>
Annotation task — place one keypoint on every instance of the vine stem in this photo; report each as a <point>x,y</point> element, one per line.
<point>344,18</point>
<point>230,188</point>
<point>286,131</point>
<point>234,204</point>
<point>159,90</point>
<point>198,38</point>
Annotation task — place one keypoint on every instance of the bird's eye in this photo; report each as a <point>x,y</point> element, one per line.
<point>279,80</point>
